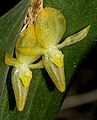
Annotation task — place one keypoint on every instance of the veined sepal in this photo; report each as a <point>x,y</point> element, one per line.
<point>56,73</point>
<point>72,39</point>
<point>50,26</point>
<point>20,91</point>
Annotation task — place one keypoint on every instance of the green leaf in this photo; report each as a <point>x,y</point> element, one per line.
<point>44,99</point>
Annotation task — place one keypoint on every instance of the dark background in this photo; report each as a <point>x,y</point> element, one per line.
<point>6,5</point>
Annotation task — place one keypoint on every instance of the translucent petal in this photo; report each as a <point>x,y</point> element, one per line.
<point>9,60</point>
<point>20,91</point>
<point>56,74</point>
<point>27,39</point>
<point>50,26</point>
<point>25,75</point>
<point>75,37</point>
<point>56,57</point>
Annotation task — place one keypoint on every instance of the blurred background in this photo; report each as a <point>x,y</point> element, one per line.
<point>81,101</point>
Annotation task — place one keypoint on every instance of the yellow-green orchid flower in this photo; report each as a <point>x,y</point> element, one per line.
<point>21,73</point>
<point>50,25</point>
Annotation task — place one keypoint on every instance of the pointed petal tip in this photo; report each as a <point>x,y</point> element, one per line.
<point>61,86</point>
<point>62,89</point>
<point>88,27</point>
<point>20,108</point>
<point>86,30</point>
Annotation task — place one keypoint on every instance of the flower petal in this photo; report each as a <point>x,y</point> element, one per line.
<point>27,38</point>
<point>25,75</point>
<point>75,37</point>
<point>56,57</point>
<point>50,26</point>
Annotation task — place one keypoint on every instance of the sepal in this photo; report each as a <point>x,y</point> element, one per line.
<point>56,73</point>
<point>75,37</point>
<point>50,25</point>
<point>20,91</point>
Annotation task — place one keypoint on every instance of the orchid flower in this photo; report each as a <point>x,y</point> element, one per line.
<point>22,65</point>
<point>50,26</point>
